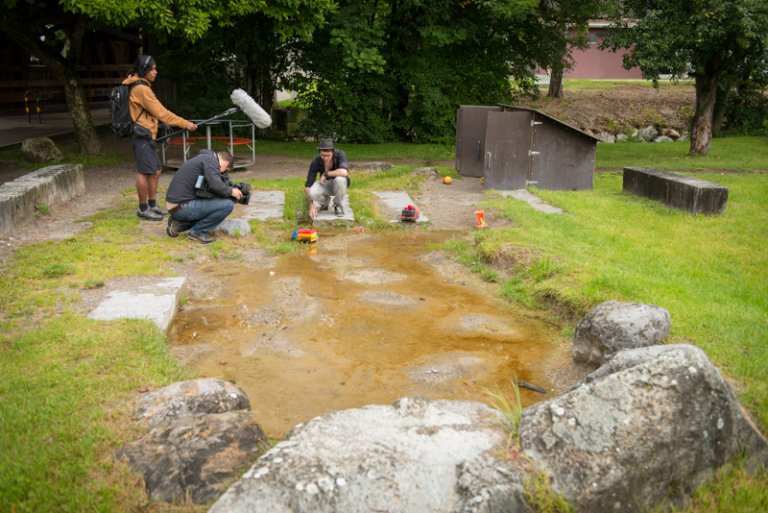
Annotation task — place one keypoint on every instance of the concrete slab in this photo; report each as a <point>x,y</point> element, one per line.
<point>533,200</point>
<point>49,185</point>
<point>265,205</point>
<point>156,303</point>
<point>393,203</point>
<point>327,216</point>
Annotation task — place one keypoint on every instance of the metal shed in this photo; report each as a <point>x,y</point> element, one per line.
<point>513,147</point>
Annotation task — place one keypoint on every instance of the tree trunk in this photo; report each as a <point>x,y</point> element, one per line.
<point>263,86</point>
<point>701,131</point>
<point>66,73</point>
<point>556,83</point>
<point>80,114</point>
<point>721,106</point>
<point>560,62</point>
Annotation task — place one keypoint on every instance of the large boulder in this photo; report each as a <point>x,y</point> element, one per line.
<point>416,456</point>
<point>185,398</point>
<point>201,438</point>
<point>628,358</point>
<point>613,326</point>
<point>642,433</point>
<point>195,458</point>
<point>41,149</point>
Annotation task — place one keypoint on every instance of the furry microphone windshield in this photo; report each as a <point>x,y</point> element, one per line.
<point>251,109</point>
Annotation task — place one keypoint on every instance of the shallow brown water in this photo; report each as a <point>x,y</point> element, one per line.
<point>358,319</point>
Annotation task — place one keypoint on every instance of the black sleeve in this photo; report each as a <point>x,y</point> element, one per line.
<point>315,167</point>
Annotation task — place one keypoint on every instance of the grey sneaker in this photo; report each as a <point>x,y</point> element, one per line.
<point>157,209</point>
<point>203,238</point>
<point>149,215</point>
<point>338,210</point>
<point>173,228</point>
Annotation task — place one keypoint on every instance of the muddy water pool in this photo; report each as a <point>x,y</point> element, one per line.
<point>357,319</point>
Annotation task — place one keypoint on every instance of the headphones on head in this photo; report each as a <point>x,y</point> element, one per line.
<point>146,65</point>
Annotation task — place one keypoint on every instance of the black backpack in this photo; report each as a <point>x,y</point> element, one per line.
<point>122,123</point>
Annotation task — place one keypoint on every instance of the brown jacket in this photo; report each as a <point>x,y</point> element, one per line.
<point>146,109</point>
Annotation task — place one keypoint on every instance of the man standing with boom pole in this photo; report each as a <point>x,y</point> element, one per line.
<point>147,112</point>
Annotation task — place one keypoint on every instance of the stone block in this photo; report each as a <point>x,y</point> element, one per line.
<point>50,185</point>
<point>393,203</point>
<point>234,227</point>
<point>687,193</point>
<point>158,304</point>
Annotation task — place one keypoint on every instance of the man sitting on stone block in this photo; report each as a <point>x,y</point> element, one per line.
<point>333,169</point>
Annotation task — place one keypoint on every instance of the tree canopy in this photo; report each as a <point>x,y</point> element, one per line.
<point>378,70</point>
<point>566,22</point>
<point>398,69</point>
<point>53,31</point>
<point>710,40</point>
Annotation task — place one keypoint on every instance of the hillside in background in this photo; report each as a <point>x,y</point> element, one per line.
<point>617,107</point>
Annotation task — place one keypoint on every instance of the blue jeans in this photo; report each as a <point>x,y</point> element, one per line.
<point>203,215</point>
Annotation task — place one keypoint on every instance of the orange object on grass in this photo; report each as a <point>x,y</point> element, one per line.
<point>480,218</point>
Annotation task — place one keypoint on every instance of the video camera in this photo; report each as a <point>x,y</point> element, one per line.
<point>245,188</point>
<point>203,191</point>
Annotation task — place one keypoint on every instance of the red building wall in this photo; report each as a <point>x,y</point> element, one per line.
<point>593,62</point>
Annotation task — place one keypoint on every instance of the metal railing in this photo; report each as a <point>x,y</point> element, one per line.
<point>232,141</point>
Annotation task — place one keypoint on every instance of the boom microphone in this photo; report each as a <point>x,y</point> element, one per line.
<point>251,109</point>
<point>165,137</point>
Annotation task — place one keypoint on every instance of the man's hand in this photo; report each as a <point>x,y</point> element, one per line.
<point>191,126</point>
<point>312,210</point>
<point>336,173</point>
<point>236,193</point>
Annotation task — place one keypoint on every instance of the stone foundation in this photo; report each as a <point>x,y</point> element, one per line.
<point>49,185</point>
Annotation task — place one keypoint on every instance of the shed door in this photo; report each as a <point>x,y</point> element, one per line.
<point>562,159</point>
<point>507,141</point>
<point>470,138</point>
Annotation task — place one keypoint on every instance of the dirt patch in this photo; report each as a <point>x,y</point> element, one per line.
<point>452,207</point>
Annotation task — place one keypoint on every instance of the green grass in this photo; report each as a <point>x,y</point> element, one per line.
<point>511,410</point>
<point>67,380</point>
<point>54,460</point>
<point>710,272</point>
<point>733,490</point>
<point>540,496</point>
<point>585,83</point>
<point>60,429</point>
<point>45,278</point>
<point>738,153</point>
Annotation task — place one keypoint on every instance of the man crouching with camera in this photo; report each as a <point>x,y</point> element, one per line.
<point>201,196</point>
